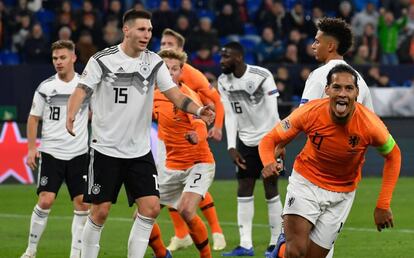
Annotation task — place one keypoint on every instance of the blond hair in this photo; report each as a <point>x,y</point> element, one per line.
<point>61,44</point>
<point>172,54</point>
<point>180,39</point>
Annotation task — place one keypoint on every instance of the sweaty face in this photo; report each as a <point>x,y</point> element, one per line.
<point>227,61</point>
<point>169,42</point>
<point>320,46</point>
<point>138,33</point>
<point>174,68</point>
<point>63,60</point>
<point>342,93</point>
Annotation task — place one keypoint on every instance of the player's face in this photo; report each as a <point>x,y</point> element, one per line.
<point>227,61</point>
<point>342,93</point>
<point>63,60</point>
<point>138,33</point>
<point>174,67</point>
<point>169,42</point>
<point>320,47</point>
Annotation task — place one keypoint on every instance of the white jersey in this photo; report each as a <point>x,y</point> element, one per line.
<point>250,105</point>
<point>123,89</point>
<point>49,102</point>
<point>316,82</point>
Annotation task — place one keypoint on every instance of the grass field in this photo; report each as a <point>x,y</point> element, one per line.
<point>359,237</point>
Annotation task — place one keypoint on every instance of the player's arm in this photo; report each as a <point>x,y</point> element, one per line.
<point>391,152</point>
<point>186,104</point>
<point>199,133</point>
<point>314,89</point>
<point>32,125</point>
<point>216,131</point>
<point>74,103</point>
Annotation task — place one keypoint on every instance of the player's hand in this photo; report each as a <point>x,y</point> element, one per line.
<point>215,133</point>
<point>280,152</point>
<point>272,169</point>
<point>237,158</point>
<point>69,125</point>
<point>31,158</point>
<point>207,114</point>
<point>383,218</point>
<point>191,137</point>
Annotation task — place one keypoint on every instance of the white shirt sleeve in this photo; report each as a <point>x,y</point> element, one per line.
<point>92,74</point>
<point>271,94</point>
<point>230,120</point>
<point>164,80</point>
<point>314,89</point>
<point>365,95</point>
<point>38,105</point>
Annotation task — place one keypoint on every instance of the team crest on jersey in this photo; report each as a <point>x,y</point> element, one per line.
<point>291,201</point>
<point>285,124</point>
<point>43,180</point>
<point>145,69</point>
<point>353,140</point>
<point>96,189</point>
<point>250,87</point>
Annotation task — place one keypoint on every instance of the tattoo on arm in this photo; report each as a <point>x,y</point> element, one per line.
<point>85,88</point>
<point>185,104</point>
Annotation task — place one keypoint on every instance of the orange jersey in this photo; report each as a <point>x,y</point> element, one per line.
<point>333,154</point>
<point>173,124</point>
<point>196,80</point>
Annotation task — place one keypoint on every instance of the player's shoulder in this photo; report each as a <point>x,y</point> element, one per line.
<point>258,71</point>
<point>45,84</point>
<point>107,52</point>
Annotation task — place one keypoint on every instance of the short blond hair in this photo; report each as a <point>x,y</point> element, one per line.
<point>172,54</point>
<point>61,44</point>
<point>180,39</point>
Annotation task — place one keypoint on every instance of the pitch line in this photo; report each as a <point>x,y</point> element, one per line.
<point>226,223</point>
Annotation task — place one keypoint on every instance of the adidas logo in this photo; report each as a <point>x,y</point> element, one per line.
<point>120,69</point>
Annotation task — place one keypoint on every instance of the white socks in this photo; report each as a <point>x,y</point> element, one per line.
<point>245,213</point>
<point>78,222</point>
<point>274,210</point>
<point>90,239</point>
<point>38,224</point>
<point>139,236</point>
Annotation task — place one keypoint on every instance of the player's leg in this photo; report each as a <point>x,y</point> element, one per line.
<point>141,184</point>
<point>104,181</point>
<point>274,210</point>
<point>209,211</point>
<point>181,238</point>
<point>156,243</point>
<point>246,179</point>
<point>77,170</point>
<point>50,178</point>
<point>200,177</point>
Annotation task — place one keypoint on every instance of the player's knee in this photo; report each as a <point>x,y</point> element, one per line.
<point>151,211</point>
<point>46,200</point>
<point>99,214</point>
<point>245,187</point>
<point>187,213</point>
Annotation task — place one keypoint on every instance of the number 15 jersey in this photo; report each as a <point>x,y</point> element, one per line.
<point>123,90</point>
<point>250,105</point>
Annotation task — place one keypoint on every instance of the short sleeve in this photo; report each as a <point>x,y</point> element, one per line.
<point>164,80</point>
<point>38,105</point>
<point>289,127</point>
<point>313,89</point>
<point>92,74</point>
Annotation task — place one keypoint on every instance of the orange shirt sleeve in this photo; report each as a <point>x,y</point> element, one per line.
<point>196,80</point>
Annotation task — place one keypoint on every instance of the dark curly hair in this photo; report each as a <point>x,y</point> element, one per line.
<point>342,68</point>
<point>338,29</point>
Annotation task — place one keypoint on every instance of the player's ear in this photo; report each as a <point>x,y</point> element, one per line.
<point>327,89</point>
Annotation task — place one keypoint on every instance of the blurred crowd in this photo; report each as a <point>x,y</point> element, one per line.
<point>271,31</point>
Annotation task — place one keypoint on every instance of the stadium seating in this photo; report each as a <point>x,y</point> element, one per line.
<point>9,58</point>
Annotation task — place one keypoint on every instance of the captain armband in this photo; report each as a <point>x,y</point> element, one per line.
<point>387,146</point>
<point>185,104</point>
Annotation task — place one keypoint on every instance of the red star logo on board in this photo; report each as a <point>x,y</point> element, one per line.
<point>13,153</point>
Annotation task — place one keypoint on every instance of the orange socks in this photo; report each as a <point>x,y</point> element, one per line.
<point>209,211</point>
<point>180,227</point>
<point>198,232</point>
<point>156,243</point>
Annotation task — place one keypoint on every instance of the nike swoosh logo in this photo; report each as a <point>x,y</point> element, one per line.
<point>193,186</point>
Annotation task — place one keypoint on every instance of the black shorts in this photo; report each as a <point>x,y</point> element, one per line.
<point>53,172</point>
<point>107,174</point>
<point>253,163</point>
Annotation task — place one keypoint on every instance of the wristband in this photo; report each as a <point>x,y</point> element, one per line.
<point>198,113</point>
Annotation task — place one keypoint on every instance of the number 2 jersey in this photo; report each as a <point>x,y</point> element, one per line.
<point>250,104</point>
<point>123,90</point>
<point>49,102</point>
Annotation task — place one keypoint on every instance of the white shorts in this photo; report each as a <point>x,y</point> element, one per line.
<point>161,155</point>
<point>326,210</point>
<point>196,179</point>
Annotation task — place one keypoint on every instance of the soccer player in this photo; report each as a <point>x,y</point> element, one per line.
<point>189,168</point>
<point>61,156</point>
<point>122,80</point>
<point>249,97</point>
<point>194,79</point>
<point>327,171</point>
<point>332,41</point>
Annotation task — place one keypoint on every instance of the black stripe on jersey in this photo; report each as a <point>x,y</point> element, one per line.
<point>51,78</point>
<point>104,68</point>
<point>258,72</point>
<point>105,52</point>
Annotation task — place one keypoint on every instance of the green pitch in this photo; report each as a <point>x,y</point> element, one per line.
<point>359,237</point>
